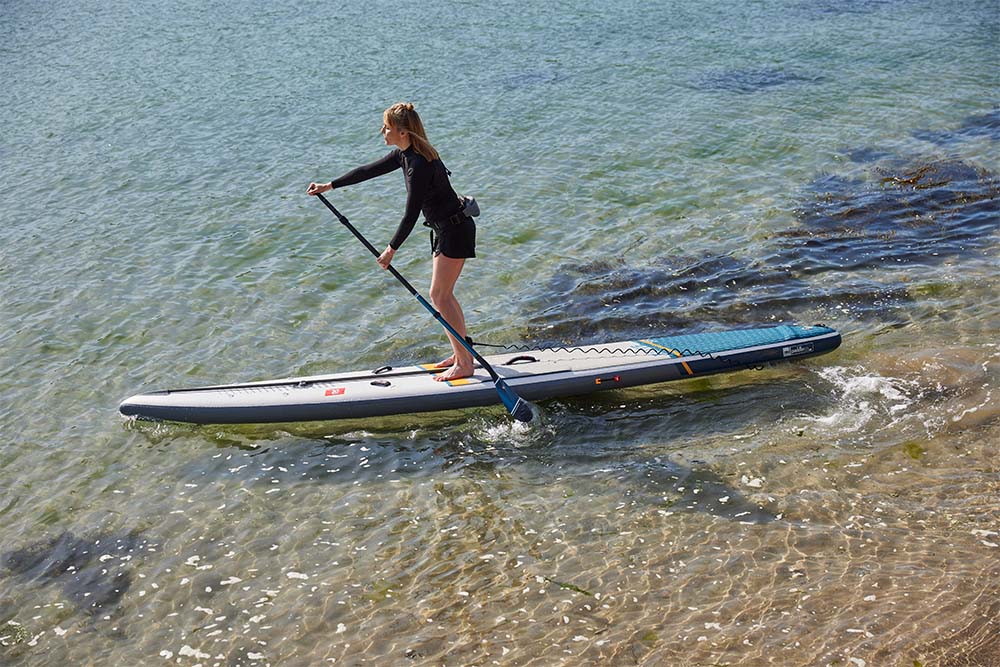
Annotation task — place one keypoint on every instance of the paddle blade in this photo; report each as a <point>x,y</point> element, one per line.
<point>522,411</point>
<point>518,408</point>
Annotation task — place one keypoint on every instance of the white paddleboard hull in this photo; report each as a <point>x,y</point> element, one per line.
<point>533,375</point>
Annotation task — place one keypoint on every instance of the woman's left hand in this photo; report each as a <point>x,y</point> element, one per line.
<point>385,259</point>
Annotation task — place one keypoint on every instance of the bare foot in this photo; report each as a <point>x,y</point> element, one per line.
<point>447,363</point>
<point>456,372</point>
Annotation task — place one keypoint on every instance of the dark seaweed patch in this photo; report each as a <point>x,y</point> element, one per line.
<point>836,262</point>
<point>976,125</point>
<point>93,572</point>
<point>919,212</point>
<point>596,302</point>
<point>751,80</point>
<point>908,212</point>
<point>585,302</point>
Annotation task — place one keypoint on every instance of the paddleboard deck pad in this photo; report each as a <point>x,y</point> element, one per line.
<point>533,374</point>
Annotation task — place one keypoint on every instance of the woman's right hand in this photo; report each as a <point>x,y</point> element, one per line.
<point>385,259</point>
<point>318,188</point>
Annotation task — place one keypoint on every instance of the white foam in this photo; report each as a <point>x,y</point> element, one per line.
<point>863,396</point>
<point>509,432</point>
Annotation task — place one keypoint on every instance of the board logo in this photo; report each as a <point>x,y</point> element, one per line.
<point>795,350</point>
<point>336,391</point>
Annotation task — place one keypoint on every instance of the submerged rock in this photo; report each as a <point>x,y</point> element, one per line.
<point>94,572</point>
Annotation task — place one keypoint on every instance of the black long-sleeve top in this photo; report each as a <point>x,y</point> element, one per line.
<point>427,188</point>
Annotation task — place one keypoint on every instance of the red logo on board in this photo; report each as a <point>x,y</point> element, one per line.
<point>339,391</point>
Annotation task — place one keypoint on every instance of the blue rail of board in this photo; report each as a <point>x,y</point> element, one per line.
<point>723,341</point>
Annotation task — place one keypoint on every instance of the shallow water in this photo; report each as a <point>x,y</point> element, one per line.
<point>641,169</point>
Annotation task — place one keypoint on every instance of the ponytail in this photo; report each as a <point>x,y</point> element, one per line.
<point>403,116</point>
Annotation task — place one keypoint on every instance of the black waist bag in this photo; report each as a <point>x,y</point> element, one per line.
<point>470,209</point>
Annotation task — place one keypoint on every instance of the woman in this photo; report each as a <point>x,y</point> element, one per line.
<point>453,239</point>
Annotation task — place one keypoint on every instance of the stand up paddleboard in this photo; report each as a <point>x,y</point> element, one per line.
<point>534,375</point>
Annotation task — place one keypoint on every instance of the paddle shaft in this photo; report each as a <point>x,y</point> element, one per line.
<point>434,311</point>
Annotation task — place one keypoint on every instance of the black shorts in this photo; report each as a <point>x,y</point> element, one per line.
<point>455,241</point>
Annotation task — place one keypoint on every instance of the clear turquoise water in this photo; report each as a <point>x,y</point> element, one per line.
<point>642,169</point>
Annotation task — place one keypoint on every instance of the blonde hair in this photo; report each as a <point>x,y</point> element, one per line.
<point>403,116</point>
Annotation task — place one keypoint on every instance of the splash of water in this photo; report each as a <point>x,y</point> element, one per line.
<point>512,433</point>
<point>863,396</point>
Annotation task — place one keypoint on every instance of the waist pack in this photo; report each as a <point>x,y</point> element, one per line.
<point>470,209</point>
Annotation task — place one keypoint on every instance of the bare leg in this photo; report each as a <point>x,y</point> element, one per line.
<point>443,278</point>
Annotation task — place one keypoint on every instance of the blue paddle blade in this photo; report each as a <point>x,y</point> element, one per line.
<point>518,408</point>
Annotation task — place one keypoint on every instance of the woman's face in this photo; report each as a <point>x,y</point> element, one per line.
<point>394,137</point>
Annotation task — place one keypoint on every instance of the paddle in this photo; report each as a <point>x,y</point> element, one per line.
<point>516,406</point>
